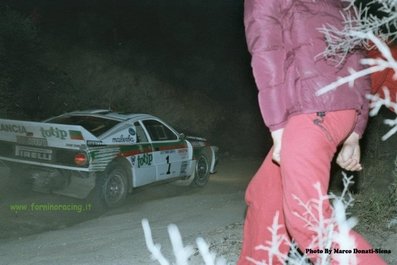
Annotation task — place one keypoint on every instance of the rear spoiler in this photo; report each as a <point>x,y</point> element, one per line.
<point>44,134</point>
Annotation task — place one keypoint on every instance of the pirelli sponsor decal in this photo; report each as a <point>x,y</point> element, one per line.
<point>33,153</point>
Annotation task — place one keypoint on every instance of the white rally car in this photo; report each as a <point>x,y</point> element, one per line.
<point>104,153</point>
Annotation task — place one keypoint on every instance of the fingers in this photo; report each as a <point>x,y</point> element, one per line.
<point>351,164</point>
<point>349,158</point>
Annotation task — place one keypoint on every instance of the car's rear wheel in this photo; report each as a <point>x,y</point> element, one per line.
<point>112,187</point>
<point>202,171</point>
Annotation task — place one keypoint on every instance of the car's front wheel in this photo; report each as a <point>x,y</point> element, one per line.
<point>202,171</point>
<point>112,187</point>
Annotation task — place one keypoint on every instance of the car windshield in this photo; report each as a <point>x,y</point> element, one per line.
<point>94,125</point>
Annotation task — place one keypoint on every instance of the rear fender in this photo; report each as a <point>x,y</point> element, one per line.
<point>210,152</point>
<point>126,165</point>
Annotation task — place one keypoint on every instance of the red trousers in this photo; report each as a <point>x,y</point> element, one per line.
<point>308,146</point>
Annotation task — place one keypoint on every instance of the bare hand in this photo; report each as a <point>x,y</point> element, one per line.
<point>349,156</point>
<point>277,135</point>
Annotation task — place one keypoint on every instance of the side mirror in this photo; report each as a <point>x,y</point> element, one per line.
<point>182,136</point>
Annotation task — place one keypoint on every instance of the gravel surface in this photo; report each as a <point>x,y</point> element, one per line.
<point>215,213</point>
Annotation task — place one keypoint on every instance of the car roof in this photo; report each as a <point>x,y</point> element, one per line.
<point>104,113</point>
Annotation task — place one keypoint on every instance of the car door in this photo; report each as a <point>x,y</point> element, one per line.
<point>143,167</point>
<point>170,152</point>
<point>134,145</point>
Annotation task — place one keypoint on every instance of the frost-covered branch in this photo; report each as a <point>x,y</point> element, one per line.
<point>333,231</point>
<point>330,232</point>
<point>374,65</point>
<point>376,103</point>
<point>273,246</point>
<point>181,253</point>
<point>345,196</point>
<point>342,235</point>
<point>315,221</point>
<point>208,257</point>
<point>341,41</point>
<point>362,29</point>
<point>155,249</point>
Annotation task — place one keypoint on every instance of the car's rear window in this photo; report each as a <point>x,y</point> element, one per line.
<point>94,125</point>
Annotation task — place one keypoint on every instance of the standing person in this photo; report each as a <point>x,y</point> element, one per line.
<point>284,41</point>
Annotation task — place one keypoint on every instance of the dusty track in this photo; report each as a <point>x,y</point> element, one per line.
<point>116,237</point>
<point>214,212</point>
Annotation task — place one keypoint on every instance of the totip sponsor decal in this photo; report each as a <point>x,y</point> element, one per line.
<point>145,160</point>
<point>54,132</point>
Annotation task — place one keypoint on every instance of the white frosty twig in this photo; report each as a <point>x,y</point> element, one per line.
<point>155,249</point>
<point>376,103</point>
<point>341,41</point>
<point>361,28</point>
<point>376,65</point>
<point>181,253</point>
<point>342,235</point>
<point>273,246</point>
<point>345,196</point>
<point>329,232</point>
<point>208,257</point>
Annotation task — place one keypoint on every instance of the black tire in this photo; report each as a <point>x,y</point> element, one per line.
<point>111,187</point>
<point>202,172</point>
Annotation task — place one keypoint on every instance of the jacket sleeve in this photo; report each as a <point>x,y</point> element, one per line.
<point>264,34</point>
<point>362,118</point>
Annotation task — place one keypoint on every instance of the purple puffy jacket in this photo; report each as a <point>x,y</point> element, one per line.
<point>284,41</point>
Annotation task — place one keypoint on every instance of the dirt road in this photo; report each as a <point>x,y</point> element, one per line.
<point>215,212</point>
<point>116,237</point>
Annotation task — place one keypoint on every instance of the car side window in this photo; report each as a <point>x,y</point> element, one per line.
<point>140,133</point>
<point>158,131</point>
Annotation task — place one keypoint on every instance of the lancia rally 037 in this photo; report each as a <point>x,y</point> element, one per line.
<point>103,153</point>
